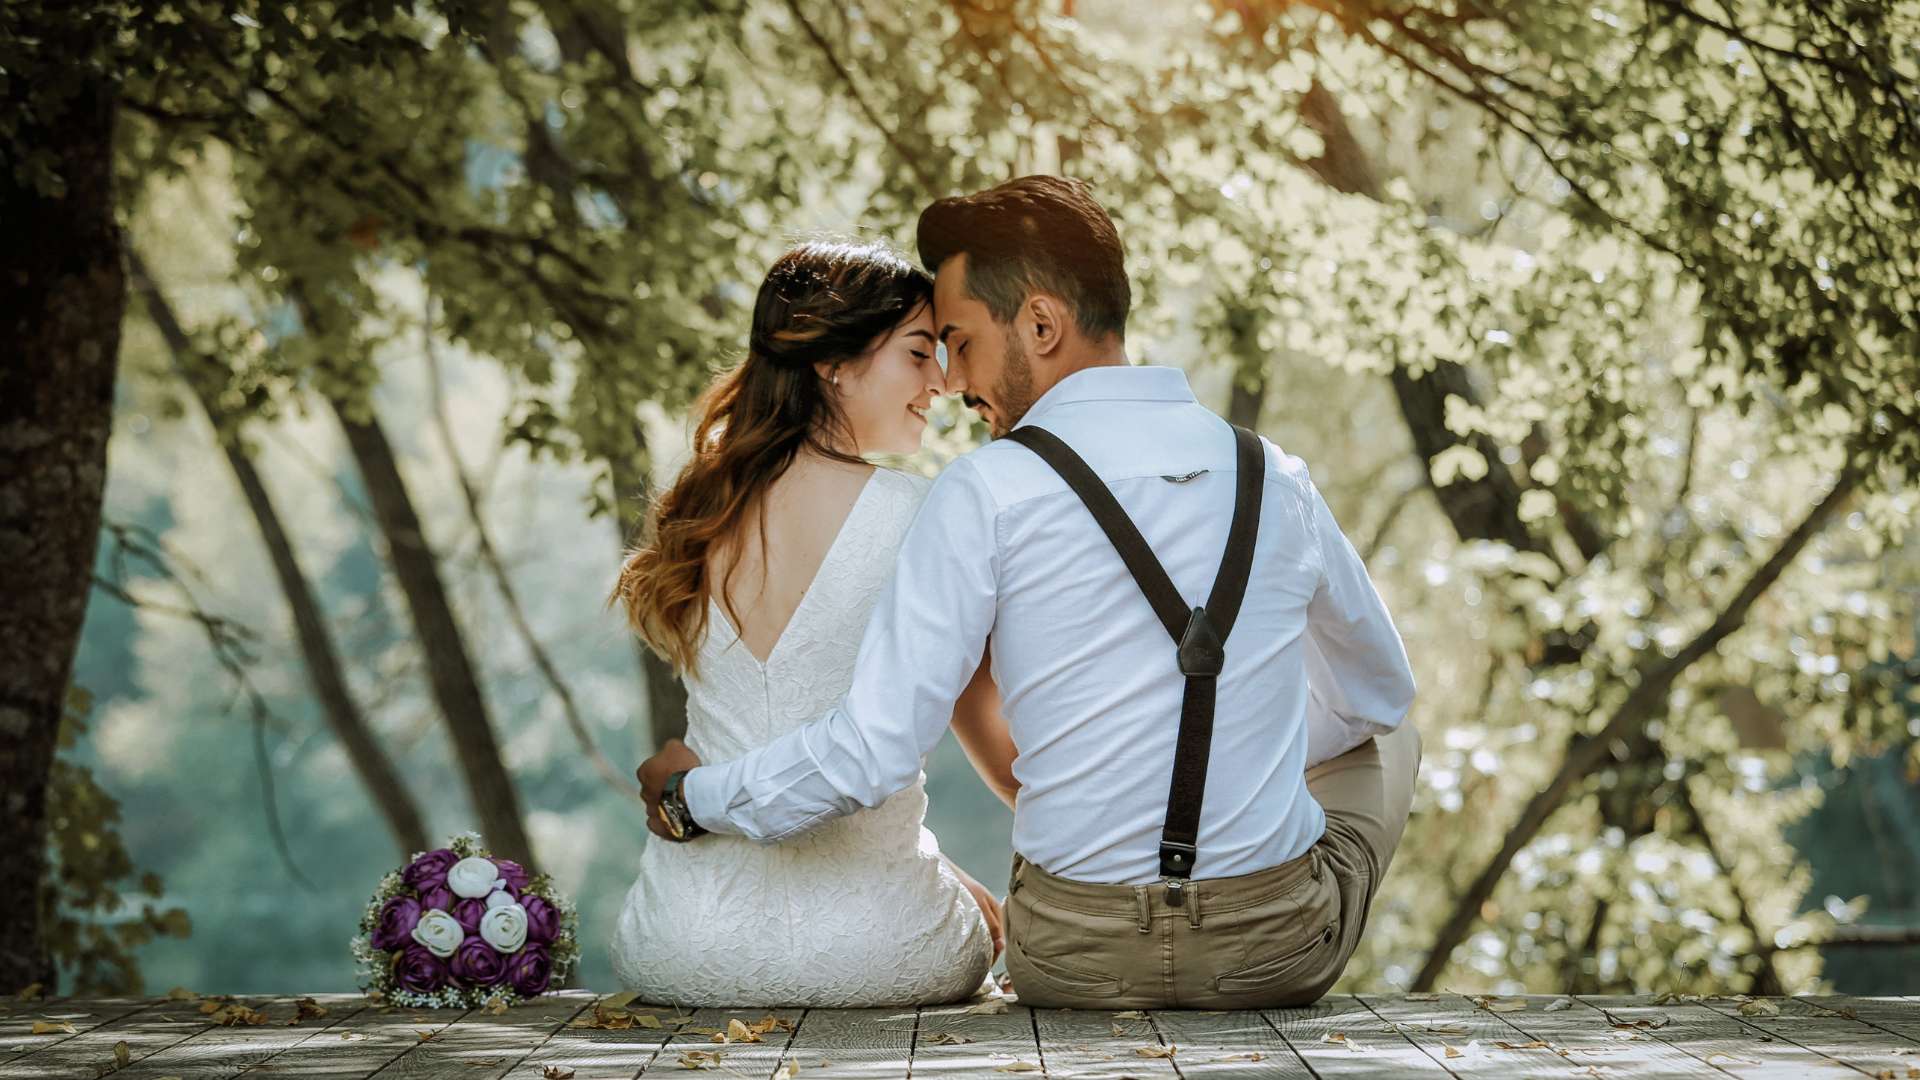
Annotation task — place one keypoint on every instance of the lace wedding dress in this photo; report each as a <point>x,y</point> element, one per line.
<point>860,911</point>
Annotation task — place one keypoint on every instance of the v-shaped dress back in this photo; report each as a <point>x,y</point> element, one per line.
<point>860,911</point>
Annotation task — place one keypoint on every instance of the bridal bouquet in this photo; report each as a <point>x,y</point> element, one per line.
<point>458,928</point>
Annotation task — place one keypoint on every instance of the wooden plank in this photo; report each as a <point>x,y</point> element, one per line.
<point>1226,1046</point>
<point>82,1056</point>
<point>991,1040</point>
<point>1895,1016</point>
<point>369,1041</point>
<point>1586,1040</point>
<point>218,1052</point>
<point>1365,1045</point>
<point>604,1053</point>
<point>1853,1043</point>
<point>871,1044</point>
<point>484,1045</point>
<point>1715,1038</point>
<point>17,1039</point>
<point>695,1040</point>
<point>1464,1040</point>
<point>1099,1043</point>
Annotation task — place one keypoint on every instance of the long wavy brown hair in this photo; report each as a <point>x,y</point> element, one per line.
<point>822,302</point>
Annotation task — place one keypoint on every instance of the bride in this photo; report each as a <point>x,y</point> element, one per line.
<point>762,564</point>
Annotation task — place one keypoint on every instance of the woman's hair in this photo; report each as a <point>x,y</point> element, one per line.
<point>820,303</point>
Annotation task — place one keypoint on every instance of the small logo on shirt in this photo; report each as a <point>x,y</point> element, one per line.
<point>1184,478</point>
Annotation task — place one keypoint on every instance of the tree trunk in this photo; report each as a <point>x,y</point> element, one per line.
<point>201,373</point>
<point>62,295</point>
<point>666,694</point>
<point>1243,407</point>
<point>449,669</point>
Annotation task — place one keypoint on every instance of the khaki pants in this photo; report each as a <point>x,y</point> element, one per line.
<point>1275,938</point>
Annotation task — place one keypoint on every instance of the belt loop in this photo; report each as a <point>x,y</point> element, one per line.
<point>1144,907</point>
<point>1313,853</point>
<point>1193,907</point>
<point>1013,879</point>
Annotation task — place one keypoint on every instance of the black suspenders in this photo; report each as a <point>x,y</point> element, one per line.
<point>1200,633</point>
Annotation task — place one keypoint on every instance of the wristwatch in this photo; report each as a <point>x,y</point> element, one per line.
<point>674,813</point>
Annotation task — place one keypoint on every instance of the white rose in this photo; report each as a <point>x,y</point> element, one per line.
<point>505,928</point>
<point>439,932</point>
<point>499,898</point>
<point>472,877</point>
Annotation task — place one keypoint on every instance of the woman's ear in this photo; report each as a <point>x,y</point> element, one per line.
<point>825,369</point>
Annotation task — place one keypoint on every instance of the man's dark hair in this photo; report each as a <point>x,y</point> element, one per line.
<point>1034,234</point>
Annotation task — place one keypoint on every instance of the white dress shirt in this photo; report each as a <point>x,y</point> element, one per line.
<point>1088,677</point>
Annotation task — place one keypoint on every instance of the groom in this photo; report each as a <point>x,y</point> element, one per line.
<point>1174,847</point>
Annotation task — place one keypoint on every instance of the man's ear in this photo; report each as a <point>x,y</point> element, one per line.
<point>1042,320</point>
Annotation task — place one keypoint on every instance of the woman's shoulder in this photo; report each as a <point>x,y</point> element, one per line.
<point>905,486</point>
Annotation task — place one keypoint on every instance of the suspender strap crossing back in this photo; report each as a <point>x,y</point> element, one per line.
<point>1200,633</point>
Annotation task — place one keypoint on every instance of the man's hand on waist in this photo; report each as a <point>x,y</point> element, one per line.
<point>674,757</point>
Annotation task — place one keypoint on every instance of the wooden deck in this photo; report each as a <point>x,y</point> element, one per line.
<point>576,1035</point>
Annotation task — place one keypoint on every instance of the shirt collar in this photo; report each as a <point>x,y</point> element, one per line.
<point>1116,382</point>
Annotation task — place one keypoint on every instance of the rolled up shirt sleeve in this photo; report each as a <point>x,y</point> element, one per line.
<point>1358,680</point>
<point>921,647</point>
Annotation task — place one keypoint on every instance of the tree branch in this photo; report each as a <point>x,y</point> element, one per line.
<point>1586,753</point>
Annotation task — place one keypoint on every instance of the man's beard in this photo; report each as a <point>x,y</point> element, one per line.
<point>1014,389</point>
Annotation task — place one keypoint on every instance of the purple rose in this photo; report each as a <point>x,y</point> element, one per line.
<point>395,924</point>
<point>515,874</point>
<point>420,970</point>
<point>437,896</point>
<point>529,971</point>
<point>475,963</point>
<point>543,922</point>
<point>468,914</point>
<point>430,869</point>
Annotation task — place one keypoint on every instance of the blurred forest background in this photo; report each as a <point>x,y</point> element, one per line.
<point>1596,322</point>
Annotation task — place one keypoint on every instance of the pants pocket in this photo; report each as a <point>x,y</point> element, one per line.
<point>1055,956</point>
<point>1265,974</point>
<point>1073,980</point>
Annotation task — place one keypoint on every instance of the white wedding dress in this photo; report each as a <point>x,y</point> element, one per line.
<point>860,911</point>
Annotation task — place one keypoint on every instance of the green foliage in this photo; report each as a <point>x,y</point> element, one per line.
<point>92,882</point>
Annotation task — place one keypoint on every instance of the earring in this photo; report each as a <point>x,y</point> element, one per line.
<point>836,378</point>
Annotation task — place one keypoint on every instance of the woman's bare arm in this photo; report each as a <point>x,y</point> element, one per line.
<point>982,731</point>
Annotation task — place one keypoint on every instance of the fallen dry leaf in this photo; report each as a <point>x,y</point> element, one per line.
<point>701,1059</point>
<point>235,1013</point>
<point>1130,1014</point>
<point>946,1038</point>
<point>1334,1037</point>
<point>988,1008</point>
<point>425,1036</point>
<point>1241,1057</point>
<point>496,1006</point>
<point>1501,1005</point>
<point>1536,1045</point>
<point>1444,1029</point>
<point>1452,1052</point>
<point>787,1071</point>
<point>557,1072</point>
<point>181,993</point>
<point>1423,997</point>
<point>122,1054</point>
<point>739,1032</point>
<point>53,1027</point>
<point>1642,1024</point>
<point>620,1000</point>
<point>1559,1005</point>
<point>1757,1007</point>
<point>1156,1051</point>
<point>31,992</point>
<point>1017,1066</point>
<point>306,1009</point>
